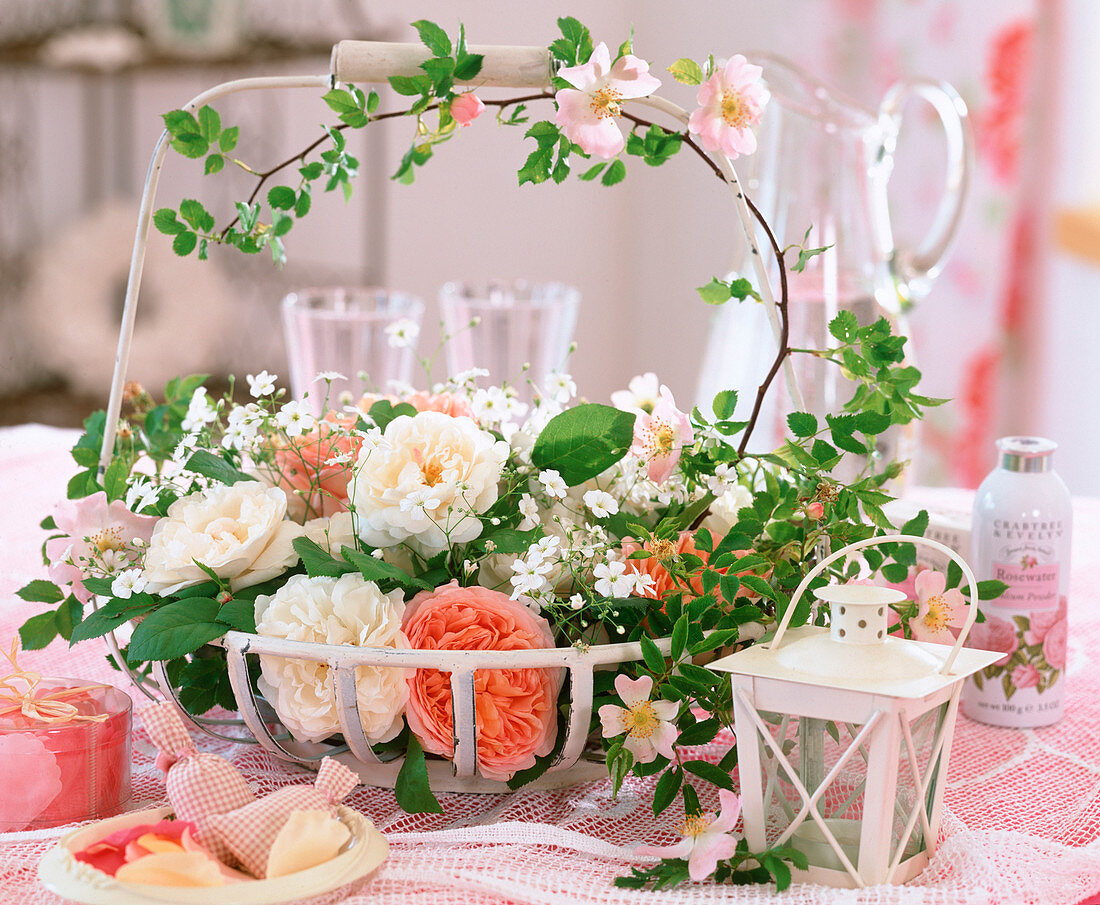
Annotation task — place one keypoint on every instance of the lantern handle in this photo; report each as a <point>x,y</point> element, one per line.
<point>968,573</point>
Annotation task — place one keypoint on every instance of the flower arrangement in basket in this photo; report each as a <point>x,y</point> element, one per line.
<point>450,574</point>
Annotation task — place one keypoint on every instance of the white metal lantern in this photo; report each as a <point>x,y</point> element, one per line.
<point>844,732</point>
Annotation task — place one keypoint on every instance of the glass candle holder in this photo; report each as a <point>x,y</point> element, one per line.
<point>348,331</point>
<point>67,772</point>
<point>521,331</point>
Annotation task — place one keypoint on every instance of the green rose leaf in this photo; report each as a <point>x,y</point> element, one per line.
<point>176,629</point>
<point>184,243</point>
<point>40,591</point>
<point>715,292</point>
<point>281,197</point>
<point>724,404</point>
<point>165,221</point>
<point>667,787</point>
<point>215,467</point>
<point>802,424</point>
<point>38,631</point>
<point>318,561</point>
<point>712,773</point>
<point>239,614</point>
<point>413,793</point>
<point>433,37</point>
<point>583,441</point>
<point>379,571</point>
<point>210,124</point>
<point>687,72</point>
<point>614,174</point>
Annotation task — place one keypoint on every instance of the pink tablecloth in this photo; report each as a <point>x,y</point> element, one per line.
<point>1023,807</point>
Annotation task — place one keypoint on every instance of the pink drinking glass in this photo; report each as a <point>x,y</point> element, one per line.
<point>348,331</point>
<point>517,324</point>
<point>67,772</point>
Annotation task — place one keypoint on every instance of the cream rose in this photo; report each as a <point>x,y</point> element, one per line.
<point>344,610</point>
<point>240,531</point>
<point>426,481</point>
<point>723,511</point>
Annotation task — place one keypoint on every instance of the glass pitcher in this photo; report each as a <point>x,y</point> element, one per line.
<point>823,164</point>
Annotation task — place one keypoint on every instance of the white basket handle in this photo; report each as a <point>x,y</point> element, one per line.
<point>968,573</point>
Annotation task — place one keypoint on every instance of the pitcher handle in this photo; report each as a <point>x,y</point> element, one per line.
<point>916,269</point>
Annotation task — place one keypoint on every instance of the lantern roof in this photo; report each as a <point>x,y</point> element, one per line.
<point>896,667</point>
<point>856,652</point>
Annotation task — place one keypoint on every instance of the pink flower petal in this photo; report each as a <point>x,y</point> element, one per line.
<point>681,849</point>
<point>589,76</point>
<point>631,78</point>
<point>710,93</point>
<point>633,691</point>
<point>663,738</point>
<point>929,583</point>
<point>957,604</point>
<point>611,717</point>
<point>730,803</point>
<point>708,851</point>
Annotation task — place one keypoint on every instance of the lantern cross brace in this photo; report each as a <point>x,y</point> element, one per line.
<point>792,774</point>
<point>922,783</point>
<point>808,805</point>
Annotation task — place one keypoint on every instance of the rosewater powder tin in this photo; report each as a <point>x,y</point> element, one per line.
<point>1021,536</point>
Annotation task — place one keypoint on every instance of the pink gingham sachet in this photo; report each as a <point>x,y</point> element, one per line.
<point>250,831</point>
<point>200,785</point>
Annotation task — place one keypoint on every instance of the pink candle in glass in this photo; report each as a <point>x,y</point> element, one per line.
<point>65,772</point>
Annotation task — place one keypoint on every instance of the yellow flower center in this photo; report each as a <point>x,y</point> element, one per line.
<point>107,539</point>
<point>938,614</point>
<point>695,825</point>
<point>663,550</point>
<point>607,102</point>
<point>735,111</point>
<point>640,720</point>
<point>431,470</point>
<point>665,437</point>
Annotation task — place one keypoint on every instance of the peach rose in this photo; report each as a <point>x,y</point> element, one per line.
<point>447,403</point>
<point>315,469</point>
<point>517,716</point>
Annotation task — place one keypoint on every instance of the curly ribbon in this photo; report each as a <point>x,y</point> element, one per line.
<point>51,707</point>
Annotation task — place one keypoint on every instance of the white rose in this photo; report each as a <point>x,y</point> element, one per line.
<point>239,531</point>
<point>445,470</point>
<point>723,511</point>
<point>344,610</point>
<point>332,533</point>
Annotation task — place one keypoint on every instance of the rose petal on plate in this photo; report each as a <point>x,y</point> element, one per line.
<point>307,839</point>
<point>172,869</point>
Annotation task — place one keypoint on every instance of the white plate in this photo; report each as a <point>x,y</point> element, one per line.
<point>61,873</point>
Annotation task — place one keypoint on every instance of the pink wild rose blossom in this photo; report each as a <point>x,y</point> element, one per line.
<point>647,724</point>
<point>99,541</point>
<point>938,610</point>
<point>466,108</point>
<point>660,436</point>
<point>730,102</point>
<point>1025,676</point>
<point>707,838</point>
<point>587,111</point>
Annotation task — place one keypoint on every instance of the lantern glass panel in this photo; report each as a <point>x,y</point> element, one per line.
<point>925,733</point>
<point>814,748</point>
